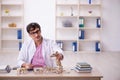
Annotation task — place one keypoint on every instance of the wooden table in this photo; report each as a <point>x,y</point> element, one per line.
<point>66,75</point>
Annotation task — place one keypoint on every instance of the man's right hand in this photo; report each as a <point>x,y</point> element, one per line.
<point>27,66</point>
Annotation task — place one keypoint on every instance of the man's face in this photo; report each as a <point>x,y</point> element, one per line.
<point>35,34</point>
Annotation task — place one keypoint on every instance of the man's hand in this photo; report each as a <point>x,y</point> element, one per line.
<point>27,65</point>
<point>58,56</point>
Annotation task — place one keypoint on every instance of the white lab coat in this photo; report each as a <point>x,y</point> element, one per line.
<point>28,49</point>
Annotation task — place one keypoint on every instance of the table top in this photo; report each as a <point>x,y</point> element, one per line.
<point>67,73</point>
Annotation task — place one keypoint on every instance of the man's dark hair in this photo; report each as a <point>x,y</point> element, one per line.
<point>32,26</point>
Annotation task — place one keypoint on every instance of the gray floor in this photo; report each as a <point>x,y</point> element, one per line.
<point>107,63</point>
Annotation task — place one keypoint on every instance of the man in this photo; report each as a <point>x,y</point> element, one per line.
<point>37,51</point>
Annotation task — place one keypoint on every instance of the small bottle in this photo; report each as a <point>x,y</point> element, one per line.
<point>81,22</point>
<point>98,22</point>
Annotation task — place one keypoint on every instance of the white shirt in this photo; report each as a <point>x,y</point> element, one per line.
<point>28,49</point>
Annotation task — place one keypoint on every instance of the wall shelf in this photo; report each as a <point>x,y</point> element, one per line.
<point>84,34</point>
<point>11,25</point>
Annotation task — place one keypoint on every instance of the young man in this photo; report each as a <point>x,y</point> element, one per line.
<point>37,51</point>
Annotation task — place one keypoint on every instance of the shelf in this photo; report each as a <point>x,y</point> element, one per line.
<point>11,16</point>
<point>11,4</point>
<point>67,10</point>
<point>15,40</point>
<point>66,16</point>
<point>12,25</point>
<point>90,16</point>
<point>65,39</point>
<point>66,5</point>
<point>66,28</point>
<point>89,28</point>
<point>88,40</point>
<point>69,52</point>
<point>11,28</point>
<point>67,2</point>
<point>90,5</point>
<point>78,25</point>
<point>59,39</point>
<point>17,2</point>
<point>64,34</point>
<point>89,52</point>
<point>90,2</point>
<point>10,50</point>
